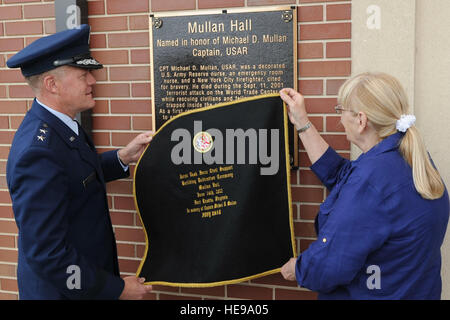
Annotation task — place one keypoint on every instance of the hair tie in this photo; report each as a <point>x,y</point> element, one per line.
<point>405,122</point>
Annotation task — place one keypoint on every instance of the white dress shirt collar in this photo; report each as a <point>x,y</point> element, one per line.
<point>71,123</point>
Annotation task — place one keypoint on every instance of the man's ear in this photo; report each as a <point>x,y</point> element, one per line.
<point>50,83</point>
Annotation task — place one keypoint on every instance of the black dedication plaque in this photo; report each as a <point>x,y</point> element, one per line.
<point>206,59</point>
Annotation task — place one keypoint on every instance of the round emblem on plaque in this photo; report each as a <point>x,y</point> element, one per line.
<point>202,142</point>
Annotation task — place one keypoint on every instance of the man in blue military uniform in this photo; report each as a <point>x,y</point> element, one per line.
<point>57,180</point>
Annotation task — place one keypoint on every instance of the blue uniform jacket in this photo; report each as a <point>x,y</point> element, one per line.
<point>377,237</point>
<point>66,242</point>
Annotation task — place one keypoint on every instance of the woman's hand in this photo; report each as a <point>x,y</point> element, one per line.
<point>288,270</point>
<point>296,107</point>
<point>313,143</point>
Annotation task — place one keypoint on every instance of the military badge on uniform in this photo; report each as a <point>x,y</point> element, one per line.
<point>42,132</point>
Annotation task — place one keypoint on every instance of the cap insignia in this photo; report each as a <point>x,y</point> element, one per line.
<point>87,62</point>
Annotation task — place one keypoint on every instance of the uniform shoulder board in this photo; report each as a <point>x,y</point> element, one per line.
<point>42,134</point>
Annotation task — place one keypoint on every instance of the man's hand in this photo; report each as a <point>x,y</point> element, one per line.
<point>288,270</point>
<point>134,289</point>
<point>133,150</point>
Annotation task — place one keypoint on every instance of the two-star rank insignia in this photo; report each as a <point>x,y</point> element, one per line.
<point>42,132</point>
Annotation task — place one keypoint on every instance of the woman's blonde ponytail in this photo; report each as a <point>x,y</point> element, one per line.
<point>427,180</point>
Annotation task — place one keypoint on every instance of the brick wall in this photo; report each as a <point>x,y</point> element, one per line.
<point>120,40</point>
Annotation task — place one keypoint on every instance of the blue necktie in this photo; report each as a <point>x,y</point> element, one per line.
<point>84,137</point>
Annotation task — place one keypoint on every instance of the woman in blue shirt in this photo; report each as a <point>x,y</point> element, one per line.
<point>381,228</point>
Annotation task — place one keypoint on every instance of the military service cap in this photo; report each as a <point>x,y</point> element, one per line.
<point>68,47</point>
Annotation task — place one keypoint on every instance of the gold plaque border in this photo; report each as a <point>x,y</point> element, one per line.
<point>288,182</point>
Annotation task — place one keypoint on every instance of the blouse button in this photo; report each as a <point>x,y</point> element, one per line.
<point>324,240</point>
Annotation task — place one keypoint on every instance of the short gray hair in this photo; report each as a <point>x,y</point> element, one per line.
<point>35,81</point>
